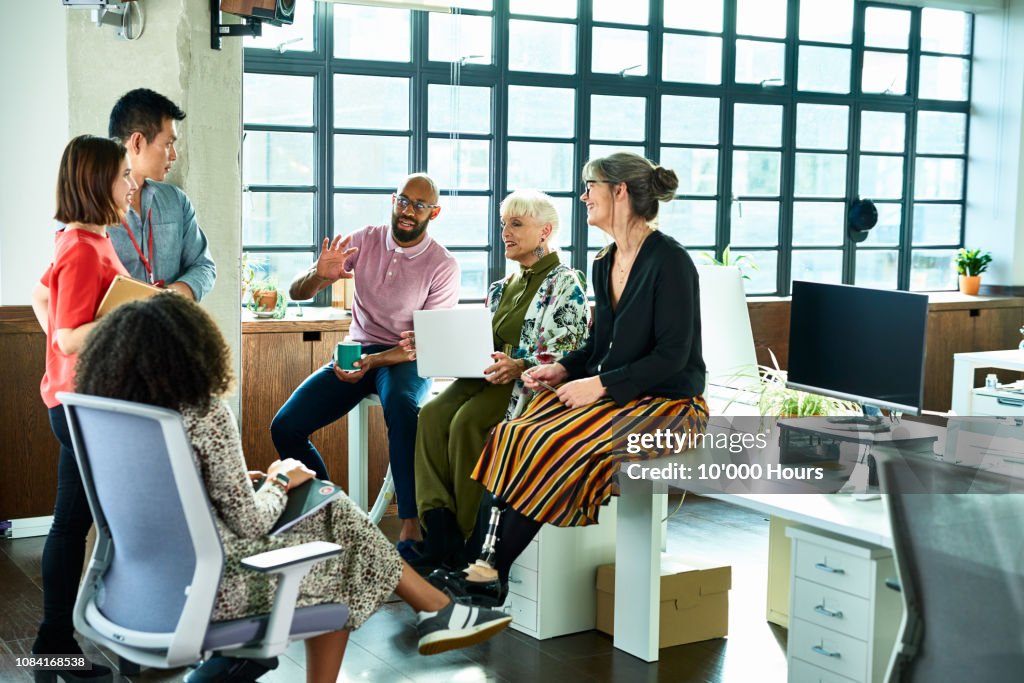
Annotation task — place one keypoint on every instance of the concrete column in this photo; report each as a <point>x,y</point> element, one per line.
<point>173,57</point>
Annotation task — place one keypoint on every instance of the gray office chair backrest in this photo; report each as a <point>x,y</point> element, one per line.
<point>959,547</point>
<point>158,557</point>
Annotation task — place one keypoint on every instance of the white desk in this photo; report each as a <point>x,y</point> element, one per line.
<point>964,365</point>
<point>638,544</point>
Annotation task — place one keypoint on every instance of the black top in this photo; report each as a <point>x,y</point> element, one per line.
<point>650,344</point>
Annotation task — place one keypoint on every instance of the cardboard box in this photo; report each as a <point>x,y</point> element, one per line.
<point>694,600</point>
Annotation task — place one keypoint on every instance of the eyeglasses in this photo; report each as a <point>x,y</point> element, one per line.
<point>404,203</point>
<point>587,185</point>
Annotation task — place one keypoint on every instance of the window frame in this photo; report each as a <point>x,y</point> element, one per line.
<point>321,64</point>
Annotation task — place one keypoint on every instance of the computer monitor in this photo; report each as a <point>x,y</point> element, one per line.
<point>859,344</point>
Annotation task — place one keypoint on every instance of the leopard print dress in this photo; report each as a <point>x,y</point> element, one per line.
<point>361,577</point>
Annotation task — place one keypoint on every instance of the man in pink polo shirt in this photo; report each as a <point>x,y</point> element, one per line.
<point>398,269</point>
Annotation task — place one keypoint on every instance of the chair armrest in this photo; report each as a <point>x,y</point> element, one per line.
<point>292,564</point>
<point>275,561</point>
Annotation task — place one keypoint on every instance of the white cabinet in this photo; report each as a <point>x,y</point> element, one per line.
<point>552,585</point>
<point>843,620</point>
<point>996,402</point>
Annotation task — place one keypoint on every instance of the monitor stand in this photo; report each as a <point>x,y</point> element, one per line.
<point>871,421</point>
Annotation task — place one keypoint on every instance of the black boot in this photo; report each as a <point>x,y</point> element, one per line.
<point>49,642</point>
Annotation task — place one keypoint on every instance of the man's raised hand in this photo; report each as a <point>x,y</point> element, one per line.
<point>330,265</point>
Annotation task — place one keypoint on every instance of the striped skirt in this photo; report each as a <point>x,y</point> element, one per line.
<point>555,464</point>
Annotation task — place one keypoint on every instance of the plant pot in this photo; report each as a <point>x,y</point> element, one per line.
<point>265,300</point>
<point>969,284</point>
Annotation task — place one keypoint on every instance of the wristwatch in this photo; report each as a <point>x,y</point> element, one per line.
<point>280,480</point>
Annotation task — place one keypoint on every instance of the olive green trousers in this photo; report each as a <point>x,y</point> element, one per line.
<point>450,435</point>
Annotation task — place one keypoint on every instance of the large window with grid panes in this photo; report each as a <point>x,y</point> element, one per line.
<point>775,114</point>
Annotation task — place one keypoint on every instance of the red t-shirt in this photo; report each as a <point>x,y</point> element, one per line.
<point>84,265</point>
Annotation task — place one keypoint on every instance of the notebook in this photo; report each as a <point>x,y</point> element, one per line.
<point>303,500</point>
<point>122,290</point>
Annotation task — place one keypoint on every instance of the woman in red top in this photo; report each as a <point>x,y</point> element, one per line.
<point>94,189</point>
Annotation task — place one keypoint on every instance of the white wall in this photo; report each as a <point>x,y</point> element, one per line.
<point>33,132</point>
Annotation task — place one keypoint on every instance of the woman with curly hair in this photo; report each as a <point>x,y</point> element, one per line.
<point>555,464</point>
<point>539,312</point>
<point>166,351</point>
<point>94,189</point>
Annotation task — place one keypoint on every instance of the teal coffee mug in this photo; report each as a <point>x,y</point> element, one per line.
<point>347,353</point>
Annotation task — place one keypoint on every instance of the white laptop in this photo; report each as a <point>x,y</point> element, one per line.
<point>453,342</point>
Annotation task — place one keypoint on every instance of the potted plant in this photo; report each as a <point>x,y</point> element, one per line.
<point>970,264</point>
<point>267,300</point>
<point>777,400</point>
<point>739,262</point>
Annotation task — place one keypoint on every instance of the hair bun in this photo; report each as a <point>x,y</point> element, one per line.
<point>664,183</point>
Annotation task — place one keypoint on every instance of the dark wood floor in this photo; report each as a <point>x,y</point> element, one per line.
<point>385,648</point>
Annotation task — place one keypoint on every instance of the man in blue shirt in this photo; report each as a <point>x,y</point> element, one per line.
<point>159,240</point>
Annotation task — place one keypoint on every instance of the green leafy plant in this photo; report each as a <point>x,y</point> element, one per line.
<point>776,399</point>
<point>740,261</point>
<point>252,269</point>
<point>267,298</point>
<point>972,261</point>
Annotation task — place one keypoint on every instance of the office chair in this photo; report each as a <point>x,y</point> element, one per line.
<point>959,550</point>
<point>151,583</point>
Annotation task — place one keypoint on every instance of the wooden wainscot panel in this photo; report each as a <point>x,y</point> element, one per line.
<point>28,448</point>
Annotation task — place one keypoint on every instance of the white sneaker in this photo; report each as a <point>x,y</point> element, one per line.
<point>457,625</point>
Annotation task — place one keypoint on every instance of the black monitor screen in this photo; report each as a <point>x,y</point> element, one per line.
<point>863,344</point>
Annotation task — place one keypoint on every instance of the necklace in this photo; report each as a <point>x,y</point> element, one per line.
<point>622,265</point>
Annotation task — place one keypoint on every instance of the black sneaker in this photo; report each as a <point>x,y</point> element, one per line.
<point>457,625</point>
<point>478,593</point>
<point>221,669</point>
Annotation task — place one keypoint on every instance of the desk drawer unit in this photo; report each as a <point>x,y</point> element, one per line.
<point>799,670</point>
<point>827,649</point>
<point>997,403</point>
<point>832,567</point>
<point>843,619</point>
<point>831,609</point>
<point>551,584</point>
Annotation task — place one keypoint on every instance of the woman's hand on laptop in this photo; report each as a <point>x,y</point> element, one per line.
<point>549,374</point>
<point>504,370</point>
<point>408,343</point>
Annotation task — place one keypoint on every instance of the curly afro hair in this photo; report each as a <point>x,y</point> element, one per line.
<point>165,351</point>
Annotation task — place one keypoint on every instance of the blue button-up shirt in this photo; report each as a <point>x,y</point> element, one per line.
<point>181,252</point>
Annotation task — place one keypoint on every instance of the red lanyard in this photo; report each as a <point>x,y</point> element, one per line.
<point>147,263</point>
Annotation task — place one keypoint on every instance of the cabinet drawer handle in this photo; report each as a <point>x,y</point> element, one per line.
<point>831,570</point>
<point>1016,402</point>
<point>834,613</point>
<point>511,580</point>
<point>818,649</point>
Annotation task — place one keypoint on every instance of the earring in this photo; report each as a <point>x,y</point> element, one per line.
<point>540,251</point>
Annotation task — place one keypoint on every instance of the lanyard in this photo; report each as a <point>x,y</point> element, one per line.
<point>146,263</point>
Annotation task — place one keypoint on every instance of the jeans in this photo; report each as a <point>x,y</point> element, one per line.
<point>323,398</point>
<point>64,550</point>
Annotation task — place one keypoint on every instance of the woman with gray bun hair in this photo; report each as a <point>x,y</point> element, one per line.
<point>555,463</point>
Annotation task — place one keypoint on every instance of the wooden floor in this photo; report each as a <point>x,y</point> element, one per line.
<point>384,649</point>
